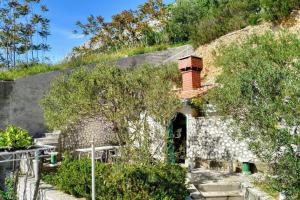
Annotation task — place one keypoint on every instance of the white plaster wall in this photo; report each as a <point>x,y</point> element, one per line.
<point>155,137</point>
<point>157,140</point>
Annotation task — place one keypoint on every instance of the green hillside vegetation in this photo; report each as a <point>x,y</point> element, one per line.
<point>202,21</point>
<point>155,26</point>
<point>261,91</point>
<point>80,60</point>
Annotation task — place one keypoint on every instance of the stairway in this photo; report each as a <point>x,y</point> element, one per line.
<point>219,191</point>
<point>212,185</point>
<point>49,139</point>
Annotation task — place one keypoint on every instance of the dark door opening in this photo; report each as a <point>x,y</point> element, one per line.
<point>177,139</point>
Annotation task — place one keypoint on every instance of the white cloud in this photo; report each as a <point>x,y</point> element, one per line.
<point>76,36</point>
<point>69,34</point>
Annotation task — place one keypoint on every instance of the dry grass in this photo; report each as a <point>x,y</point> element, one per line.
<point>209,51</point>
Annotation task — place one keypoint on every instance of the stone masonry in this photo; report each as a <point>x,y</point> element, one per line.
<point>81,134</point>
<point>209,138</point>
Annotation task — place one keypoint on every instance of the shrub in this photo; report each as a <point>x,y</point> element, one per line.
<point>121,97</point>
<point>276,9</point>
<point>225,18</point>
<point>122,181</point>
<point>202,21</point>
<point>15,137</point>
<point>261,91</point>
<point>10,193</point>
<point>184,15</point>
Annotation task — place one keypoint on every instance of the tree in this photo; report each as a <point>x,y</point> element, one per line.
<point>184,15</point>
<point>22,30</point>
<point>260,89</point>
<point>93,25</point>
<point>128,99</point>
<point>144,26</point>
<point>153,17</point>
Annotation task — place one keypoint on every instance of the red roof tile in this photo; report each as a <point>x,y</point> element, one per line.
<point>189,94</point>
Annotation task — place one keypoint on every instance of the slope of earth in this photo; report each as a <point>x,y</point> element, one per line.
<point>208,51</point>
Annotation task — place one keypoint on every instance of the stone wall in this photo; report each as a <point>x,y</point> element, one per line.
<point>209,138</point>
<point>81,135</point>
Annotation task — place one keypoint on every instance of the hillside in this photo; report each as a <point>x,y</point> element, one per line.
<point>208,51</point>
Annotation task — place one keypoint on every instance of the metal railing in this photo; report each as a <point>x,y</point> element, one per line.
<point>11,156</point>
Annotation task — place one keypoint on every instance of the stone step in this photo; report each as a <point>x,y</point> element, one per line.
<point>52,138</point>
<point>219,186</point>
<point>196,195</point>
<point>47,141</point>
<point>53,134</point>
<point>217,195</point>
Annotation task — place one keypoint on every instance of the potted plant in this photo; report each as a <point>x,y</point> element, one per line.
<point>13,138</point>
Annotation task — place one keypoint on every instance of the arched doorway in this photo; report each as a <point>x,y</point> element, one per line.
<point>177,139</point>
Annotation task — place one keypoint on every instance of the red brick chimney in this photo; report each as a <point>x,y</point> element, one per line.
<point>190,68</point>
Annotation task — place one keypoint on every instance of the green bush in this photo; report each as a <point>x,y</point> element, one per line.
<point>124,181</point>
<point>120,96</point>
<point>184,15</point>
<point>202,21</point>
<point>15,137</point>
<point>10,193</point>
<point>261,91</point>
<point>225,18</point>
<point>276,9</point>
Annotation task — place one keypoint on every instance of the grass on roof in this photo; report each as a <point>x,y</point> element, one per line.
<point>87,59</point>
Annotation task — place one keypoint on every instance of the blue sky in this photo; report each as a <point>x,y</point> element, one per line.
<point>63,15</point>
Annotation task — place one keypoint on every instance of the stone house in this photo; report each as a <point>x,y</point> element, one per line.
<point>197,136</point>
<point>193,136</point>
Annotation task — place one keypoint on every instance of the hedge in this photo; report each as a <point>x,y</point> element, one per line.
<point>123,181</point>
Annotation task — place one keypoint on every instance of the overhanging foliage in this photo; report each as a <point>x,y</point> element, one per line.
<point>126,98</point>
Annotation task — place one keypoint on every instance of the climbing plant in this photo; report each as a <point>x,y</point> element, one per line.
<point>260,89</point>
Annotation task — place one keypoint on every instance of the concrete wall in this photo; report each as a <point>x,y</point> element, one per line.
<point>166,56</point>
<point>6,88</point>
<point>19,102</point>
<point>46,192</point>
